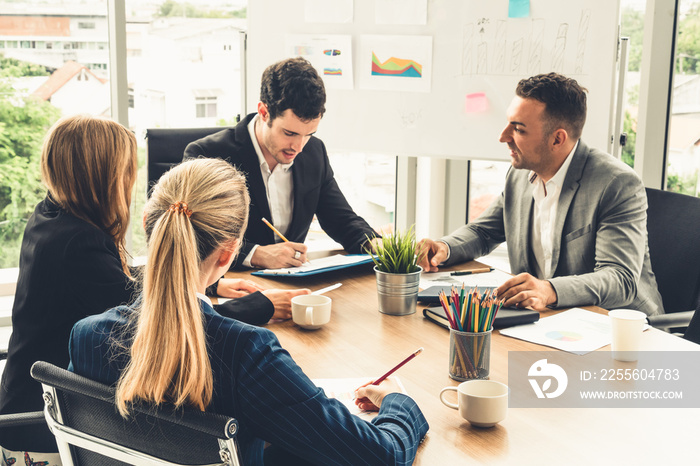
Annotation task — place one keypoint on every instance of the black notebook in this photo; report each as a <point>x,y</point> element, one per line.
<point>504,317</point>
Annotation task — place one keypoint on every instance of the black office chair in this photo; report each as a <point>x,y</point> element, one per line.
<point>89,431</point>
<point>673,223</point>
<point>166,146</point>
<point>9,421</point>
<point>692,333</point>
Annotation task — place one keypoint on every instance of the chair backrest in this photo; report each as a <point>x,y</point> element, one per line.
<point>89,431</point>
<point>166,146</point>
<point>692,333</point>
<point>673,224</point>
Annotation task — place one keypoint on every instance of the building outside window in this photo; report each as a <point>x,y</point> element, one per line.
<point>683,143</point>
<point>206,107</point>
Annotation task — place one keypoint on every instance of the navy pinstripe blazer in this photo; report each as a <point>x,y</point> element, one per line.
<point>258,383</point>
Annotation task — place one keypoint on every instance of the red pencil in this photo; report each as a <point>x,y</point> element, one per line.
<point>396,367</point>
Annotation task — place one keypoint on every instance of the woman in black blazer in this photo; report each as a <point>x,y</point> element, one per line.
<point>73,263</point>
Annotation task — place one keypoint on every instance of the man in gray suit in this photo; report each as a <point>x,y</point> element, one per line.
<point>574,217</point>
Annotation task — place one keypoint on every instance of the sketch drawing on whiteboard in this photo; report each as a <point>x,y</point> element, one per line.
<point>467,41</point>
<point>534,62</point>
<point>409,118</point>
<point>516,56</point>
<point>559,48</point>
<point>499,59</point>
<point>516,47</point>
<point>482,48</point>
<point>582,36</point>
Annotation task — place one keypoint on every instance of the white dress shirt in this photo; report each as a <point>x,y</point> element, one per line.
<point>279,188</point>
<point>546,196</point>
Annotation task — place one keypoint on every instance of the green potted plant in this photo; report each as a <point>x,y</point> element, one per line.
<point>398,273</point>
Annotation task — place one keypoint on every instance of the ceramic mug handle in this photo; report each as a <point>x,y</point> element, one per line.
<point>309,316</point>
<point>445,402</point>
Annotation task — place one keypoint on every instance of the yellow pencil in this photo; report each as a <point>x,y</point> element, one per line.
<point>275,230</point>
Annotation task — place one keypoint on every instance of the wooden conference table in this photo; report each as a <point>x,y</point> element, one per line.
<point>359,341</point>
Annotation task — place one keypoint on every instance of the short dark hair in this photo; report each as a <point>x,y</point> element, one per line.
<point>564,99</point>
<point>293,84</point>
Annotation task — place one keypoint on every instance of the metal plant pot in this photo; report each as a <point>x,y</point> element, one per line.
<point>397,292</point>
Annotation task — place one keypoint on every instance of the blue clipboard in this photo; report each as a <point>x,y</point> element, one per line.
<point>283,273</point>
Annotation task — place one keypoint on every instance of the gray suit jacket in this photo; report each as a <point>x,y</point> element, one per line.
<point>600,253</point>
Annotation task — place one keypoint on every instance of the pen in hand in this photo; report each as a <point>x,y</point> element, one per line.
<point>362,400</point>
<point>282,237</point>
<point>396,367</point>
<point>277,232</point>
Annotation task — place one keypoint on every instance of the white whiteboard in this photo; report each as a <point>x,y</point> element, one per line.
<point>475,48</point>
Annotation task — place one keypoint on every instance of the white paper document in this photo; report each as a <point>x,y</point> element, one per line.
<point>338,260</point>
<point>401,11</point>
<point>330,54</point>
<point>576,331</point>
<point>495,278</point>
<point>343,390</point>
<point>328,11</point>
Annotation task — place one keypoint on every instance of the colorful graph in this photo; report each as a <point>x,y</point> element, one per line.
<point>398,67</point>
<point>331,52</point>
<point>562,335</point>
<point>332,72</point>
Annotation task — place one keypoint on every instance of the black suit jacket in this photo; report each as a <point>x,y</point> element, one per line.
<point>68,270</point>
<point>315,191</point>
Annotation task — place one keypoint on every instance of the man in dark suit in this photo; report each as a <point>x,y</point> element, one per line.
<point>289,176</point>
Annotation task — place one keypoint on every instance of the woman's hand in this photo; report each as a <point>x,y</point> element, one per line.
<point>236,287</point>
<point>282,300</point>
<point>369,397</point>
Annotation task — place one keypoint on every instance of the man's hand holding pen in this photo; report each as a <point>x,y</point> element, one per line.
<point>279,255</point>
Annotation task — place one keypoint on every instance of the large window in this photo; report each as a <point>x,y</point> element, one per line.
<point>683,155</point>
<point>32,98</point>
<point>633,28</point>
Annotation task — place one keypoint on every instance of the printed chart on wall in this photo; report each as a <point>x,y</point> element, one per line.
<point>396,63</point>
<point>328,11</point>
<point>331,55</point>
<point>401,11</point>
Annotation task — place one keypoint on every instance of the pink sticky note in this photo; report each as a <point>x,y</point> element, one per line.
<point>476,103</point>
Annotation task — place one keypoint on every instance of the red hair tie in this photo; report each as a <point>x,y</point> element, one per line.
<point>180,207</point>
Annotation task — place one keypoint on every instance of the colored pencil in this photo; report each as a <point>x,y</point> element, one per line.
<point>396,367</point>
<point>275,230</point>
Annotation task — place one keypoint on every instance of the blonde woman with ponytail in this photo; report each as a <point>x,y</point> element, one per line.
<point>73,263</point>
<point>172,347</point>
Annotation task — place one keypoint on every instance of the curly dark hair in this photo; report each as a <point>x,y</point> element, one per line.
<point>564,99</point>
<point>293,83</point>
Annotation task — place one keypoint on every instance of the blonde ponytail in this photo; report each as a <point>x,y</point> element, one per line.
<point>196,207</point>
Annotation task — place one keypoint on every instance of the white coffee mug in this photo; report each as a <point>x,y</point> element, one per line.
<point>627,327</point>
<point>311,311</point>
<point>484,403</point>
